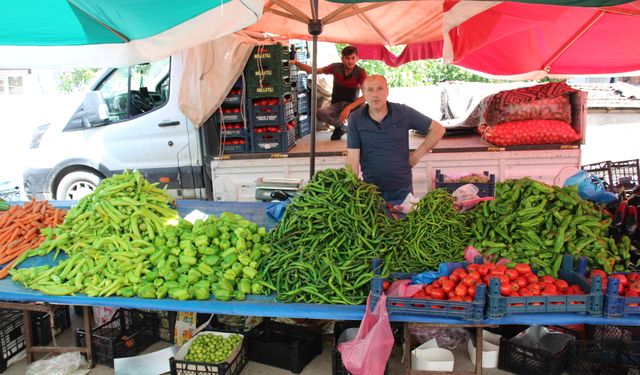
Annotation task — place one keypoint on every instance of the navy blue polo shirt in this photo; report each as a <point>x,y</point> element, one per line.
<point>384,146</point>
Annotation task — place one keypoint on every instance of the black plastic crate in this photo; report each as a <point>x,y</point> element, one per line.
<point>232,130</point>
<point>41,324</point>
<point>127,334</point>
<point>268,111</point>
<point>301,83</point>
<point>267,56</point>
<point>166,325</point>
<point>303,102</point>
<point>619,174</point>
<point>234,367</point>
<point>485,189</point>
<point>233,98</point>
<point>234,146</point>
<point>531,361</point>
<point>270,89</point>
<point>603,357</point>
<point>229,117</point>
<point>11,335</point>
<point>273,142</point>
<point>269,74</point>
<point>304,126</point>
<point>285,346</point>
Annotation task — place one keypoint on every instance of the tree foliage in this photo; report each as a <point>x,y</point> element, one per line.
<point>75,80</point>
<point>417,73</point>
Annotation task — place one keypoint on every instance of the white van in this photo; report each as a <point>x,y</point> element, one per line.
<point>131,119</point>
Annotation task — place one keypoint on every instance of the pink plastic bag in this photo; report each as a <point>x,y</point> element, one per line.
<point>470,253</point>
<point>369,351</point>
<point>402,288</point>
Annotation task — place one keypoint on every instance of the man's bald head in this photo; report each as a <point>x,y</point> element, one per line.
<point>373,79</point>
<point>375,91</point>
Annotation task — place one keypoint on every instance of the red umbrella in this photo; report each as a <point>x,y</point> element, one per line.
<point>530,41</point>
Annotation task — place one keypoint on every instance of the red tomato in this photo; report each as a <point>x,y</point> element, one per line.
<point>437,284</point>
<point>471,291</point>
<point>483,269</point>
<point>451,294</point>
<point>534,289</point>
<point>514,286</point>
<point>475,275</point>
<point>548,293</point>
<point>468,281</point>
<point>512,274</point>
<point>428,289</point>
<point>575,288</point>
<point>562,285</point>
<point>621,278</point>
<point>501,268</point>
<point>448,285</point>
<point>467,299</point>
<point>490,265</point>
<point>385,285</point>
<point>631,293</point>
<point>505,289</point>
<point>461,290</point>
<point>522,282</point>
<point>437,293</point>
<point>550,288</point>
<point>515,293</point>
<point>524,292</point>
<point>455,298</point>
<point>523,268</point>
<point>532,278</point>
<point>420,294</point>
<point>472,267</point>
<point>548,279</point>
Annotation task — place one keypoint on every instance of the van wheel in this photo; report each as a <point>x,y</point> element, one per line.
<point>76,185</point>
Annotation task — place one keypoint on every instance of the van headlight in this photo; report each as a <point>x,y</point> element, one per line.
<point>37,134</point>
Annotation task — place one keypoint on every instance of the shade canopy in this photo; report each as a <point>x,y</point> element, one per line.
<point>47,33</point>
<point>530,41</point>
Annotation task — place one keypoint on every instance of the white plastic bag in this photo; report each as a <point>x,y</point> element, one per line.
<point>72,363</point>
<point>465,193</point>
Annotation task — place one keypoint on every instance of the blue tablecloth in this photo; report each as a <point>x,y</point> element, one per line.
<point>266,305</point>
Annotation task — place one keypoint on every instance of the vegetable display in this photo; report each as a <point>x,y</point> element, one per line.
<point>431,234</point>
<point>212,348</point>
<point>531,222</point>
<point>20,229</point>
<point>323,246</point>
<point>119,241</point>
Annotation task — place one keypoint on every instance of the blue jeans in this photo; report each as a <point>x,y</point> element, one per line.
<point>397,195</point>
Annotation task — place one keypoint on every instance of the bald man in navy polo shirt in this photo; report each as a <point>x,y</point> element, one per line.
<point>378,140</point>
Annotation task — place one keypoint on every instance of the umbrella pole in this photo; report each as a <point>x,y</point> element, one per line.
<point>315,29</point>
<point>314,106</point>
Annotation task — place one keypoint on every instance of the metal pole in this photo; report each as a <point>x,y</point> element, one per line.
<point>315,29</point>
<point>314,106</point>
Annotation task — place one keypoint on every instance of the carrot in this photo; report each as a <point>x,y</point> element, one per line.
<point>20,230</point>
<point>5,271</point>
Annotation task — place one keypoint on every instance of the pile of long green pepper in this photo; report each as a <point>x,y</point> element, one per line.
<point>124,240</point>
<point>431,234</point>
<point>324,244</point>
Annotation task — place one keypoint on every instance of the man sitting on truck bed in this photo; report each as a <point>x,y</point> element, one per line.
<point>347,81</point>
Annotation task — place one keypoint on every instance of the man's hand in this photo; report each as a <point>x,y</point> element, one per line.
<point>344,115</point>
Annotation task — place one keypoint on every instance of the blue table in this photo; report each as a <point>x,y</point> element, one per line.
<point>267,306</point>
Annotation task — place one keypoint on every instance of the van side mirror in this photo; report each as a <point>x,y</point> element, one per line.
<point>94,109</point>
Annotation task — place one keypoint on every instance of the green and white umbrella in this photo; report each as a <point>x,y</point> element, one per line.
<point>47,33</point>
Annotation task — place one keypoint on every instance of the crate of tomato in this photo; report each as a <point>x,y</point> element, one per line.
<point>622,290</point>
<point>519,290</point>
<point>454,294</point>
